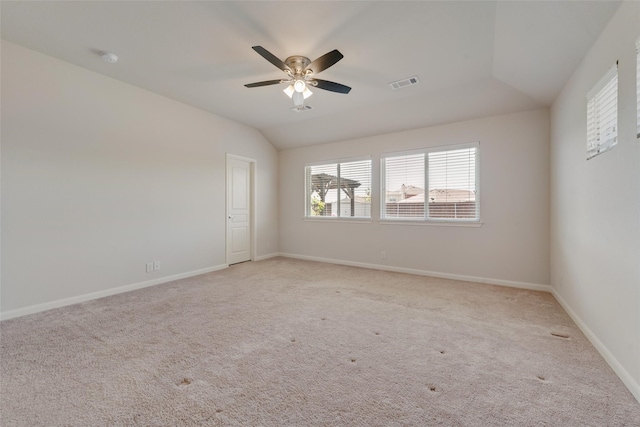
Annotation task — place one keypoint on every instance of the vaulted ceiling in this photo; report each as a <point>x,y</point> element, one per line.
<point>473,59</point>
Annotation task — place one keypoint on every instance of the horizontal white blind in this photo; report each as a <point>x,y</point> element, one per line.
<point>638,86</point>
<point>404,186</point>
<point>452,184</point>
<point>355,189</point>
<point>321,183</point>
<point>338,189</point>
<point>602,114</point>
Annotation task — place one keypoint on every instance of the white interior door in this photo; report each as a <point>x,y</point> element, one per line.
<point>238,210</point>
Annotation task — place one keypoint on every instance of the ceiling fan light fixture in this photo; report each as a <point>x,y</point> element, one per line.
<point>299,85</point>
<point>298,99</point>
<point>289,91</point>
<point>302,108</point>
<point>300,71</point>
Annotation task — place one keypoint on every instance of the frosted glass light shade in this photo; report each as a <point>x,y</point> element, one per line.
<point>299,86</point>
<point>289,90</point>
<point>298,99</point>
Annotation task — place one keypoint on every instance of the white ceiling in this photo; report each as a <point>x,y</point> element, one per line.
<point>473,59</point>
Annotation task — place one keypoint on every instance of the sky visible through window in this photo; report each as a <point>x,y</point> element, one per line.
<point>452,170</point>
<point>448,171</point>
<point>404,170</point>
<point>359,171</point>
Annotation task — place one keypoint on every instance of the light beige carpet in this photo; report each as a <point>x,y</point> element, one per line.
<point>286,342</point>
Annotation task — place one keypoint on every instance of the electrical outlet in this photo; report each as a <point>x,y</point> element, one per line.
<point>149,267</point>
<point>156,266</point>
<point>383,255</point>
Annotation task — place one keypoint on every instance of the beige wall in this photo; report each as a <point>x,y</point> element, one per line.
<point>511,246</point>
<point>595,205</point>
<point>100,177</point>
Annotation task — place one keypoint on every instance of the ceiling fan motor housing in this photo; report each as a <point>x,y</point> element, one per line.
<point>297,63</point>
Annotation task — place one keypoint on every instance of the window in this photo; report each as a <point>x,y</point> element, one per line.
<point>341,189</point>
<point>449,177</point>
<point>638,86</point>
<point>602,114</point>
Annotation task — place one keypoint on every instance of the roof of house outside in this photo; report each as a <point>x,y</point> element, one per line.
<point>443,196</point>
<point>407,190</point>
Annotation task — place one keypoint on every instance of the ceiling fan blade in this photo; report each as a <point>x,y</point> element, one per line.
<point>325,61</point>
<point>331,86</point>
<point>265,83</point>
<point>271,58</point>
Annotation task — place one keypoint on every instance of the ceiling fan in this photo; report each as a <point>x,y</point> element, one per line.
<point>300,75</point>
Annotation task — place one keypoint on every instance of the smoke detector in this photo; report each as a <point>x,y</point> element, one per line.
<point>109,57</point>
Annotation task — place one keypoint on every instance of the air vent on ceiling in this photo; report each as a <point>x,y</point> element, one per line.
<point>302,108</point>
<point>404,83</point>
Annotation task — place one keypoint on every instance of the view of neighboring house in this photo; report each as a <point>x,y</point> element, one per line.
<point>409,202</point>
<point>404,192</point>
<point>443,203</point>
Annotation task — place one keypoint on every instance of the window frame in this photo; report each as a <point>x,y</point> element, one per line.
<point>594,120</point>
<point>337,218</point>
<point>426,220</point>
<point>638,89</point>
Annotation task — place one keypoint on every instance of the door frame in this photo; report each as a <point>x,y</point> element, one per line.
<point>252,205</point>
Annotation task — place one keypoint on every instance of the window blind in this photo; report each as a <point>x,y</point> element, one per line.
<point>433,184</point>
<point>338,189</point>
<point>355,188</point>
<point>602,114</point>
<point>404,181</point>
<point>452,184</point>
<point>321,183</point>
<point>638,86</point>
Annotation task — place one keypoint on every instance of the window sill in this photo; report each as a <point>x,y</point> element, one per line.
<point>339,219</point>
<point>432,223</point>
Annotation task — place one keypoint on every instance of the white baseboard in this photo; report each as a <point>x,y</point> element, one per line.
<point>267,256</point>
<point>476,279</point>
<point>622,373</point>
<point>105,293</point>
